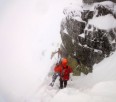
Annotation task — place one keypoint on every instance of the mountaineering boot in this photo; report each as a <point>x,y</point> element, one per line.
<point>60,87</point>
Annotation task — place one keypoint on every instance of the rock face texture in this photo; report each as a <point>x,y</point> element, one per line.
<point>85,37</point>
<point>94,1</point>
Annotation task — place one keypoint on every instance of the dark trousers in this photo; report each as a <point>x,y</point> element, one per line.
<point>63,83</point>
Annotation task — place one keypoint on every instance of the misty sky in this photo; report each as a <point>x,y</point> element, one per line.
<point>25,26</point>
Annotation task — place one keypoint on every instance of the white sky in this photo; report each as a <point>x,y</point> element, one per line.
<point>27,28</point>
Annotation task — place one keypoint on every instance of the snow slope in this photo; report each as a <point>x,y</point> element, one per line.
<point>29,32</point>
<point>97,86</point>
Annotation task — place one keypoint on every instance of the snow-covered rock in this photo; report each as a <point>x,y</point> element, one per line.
<point>94,27</point>
<point>94,1</point>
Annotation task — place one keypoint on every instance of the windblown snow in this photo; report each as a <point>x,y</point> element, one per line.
<point>29,32</point>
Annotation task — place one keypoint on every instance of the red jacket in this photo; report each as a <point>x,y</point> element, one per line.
<point>64,71</point>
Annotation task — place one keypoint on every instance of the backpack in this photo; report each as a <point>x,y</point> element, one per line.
<point>63,73</point>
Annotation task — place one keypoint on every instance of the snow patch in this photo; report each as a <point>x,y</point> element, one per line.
<point>104,22</point>
<point>82,35</point>
<point>65,31</point>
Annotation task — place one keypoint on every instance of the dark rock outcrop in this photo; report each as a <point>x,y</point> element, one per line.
<point>102,10</point>
<point>86,15</point>
<point>94,1</point>
<point>85,41</point>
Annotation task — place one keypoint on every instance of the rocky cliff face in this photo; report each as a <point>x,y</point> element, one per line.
<point>90,33</point>
<point>94,1</point>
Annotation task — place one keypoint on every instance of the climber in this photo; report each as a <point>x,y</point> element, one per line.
<point>55,75</point>
<point>59,52</point>
<point>63,70</point>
